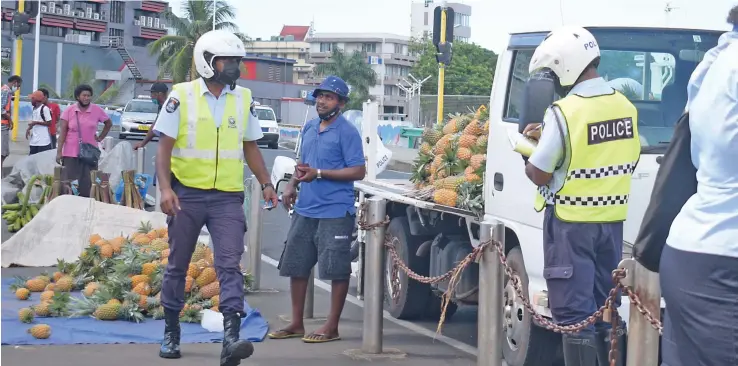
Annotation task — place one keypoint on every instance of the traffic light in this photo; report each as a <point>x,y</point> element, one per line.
<point>444,54</point>
<point>437,24</point>
<point>20,24</point>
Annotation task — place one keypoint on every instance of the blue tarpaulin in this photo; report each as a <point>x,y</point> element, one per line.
<point>87,330</point>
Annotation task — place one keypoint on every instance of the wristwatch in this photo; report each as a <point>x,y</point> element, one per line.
<point>319,174</point>
<point>265,185</point>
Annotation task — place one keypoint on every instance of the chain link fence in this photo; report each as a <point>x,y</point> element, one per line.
<point>423,109</point>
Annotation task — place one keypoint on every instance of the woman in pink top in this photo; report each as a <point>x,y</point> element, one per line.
<point>80,120</point>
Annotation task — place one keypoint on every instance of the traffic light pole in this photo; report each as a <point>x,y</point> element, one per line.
<point>18,54</point>
<point>441,68</point>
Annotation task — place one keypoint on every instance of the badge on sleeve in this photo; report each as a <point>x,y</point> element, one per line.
<point>172,105</point>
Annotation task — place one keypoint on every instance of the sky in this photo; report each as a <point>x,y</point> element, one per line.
<point>491,20</point>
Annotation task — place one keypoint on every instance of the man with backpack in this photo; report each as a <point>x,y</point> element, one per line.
<point>39,138</point>
<point>55,114</point>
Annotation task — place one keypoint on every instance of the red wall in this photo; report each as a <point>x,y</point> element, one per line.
<point>250,70</point>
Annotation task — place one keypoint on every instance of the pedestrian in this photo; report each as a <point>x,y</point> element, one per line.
<point>584,207</point>
<point>37,134</point>
<point>78,125</point>
<point>331,160</point>
<point>55,114</point>
<point>701,318</point>
<point>205,133</point>
<point>13,85</point>
<point>159,93</point>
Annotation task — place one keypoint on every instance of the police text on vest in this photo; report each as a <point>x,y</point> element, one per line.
<point>612,130</point>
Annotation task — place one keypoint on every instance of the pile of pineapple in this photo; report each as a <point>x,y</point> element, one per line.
<point>119,279</point>
<point>451,161</point>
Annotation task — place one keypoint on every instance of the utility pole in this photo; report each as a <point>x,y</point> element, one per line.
<point>18,55</point>
<point>36,43</point>
<point>443,36</point>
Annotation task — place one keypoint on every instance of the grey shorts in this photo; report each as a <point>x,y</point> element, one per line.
<point>5,142</point>
<point>323,241</point>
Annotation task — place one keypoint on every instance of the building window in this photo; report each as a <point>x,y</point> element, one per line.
<point>517,84</point>
<point>52,31</point>
<point>117,12</point>
<point>141,42</point>
<point>399,49</point>
<point>388,90</point>
<point>369,47</point>
<point>115,32</point>
<point>461,20</point>
<point>425,18</point>
<point>326,47</point>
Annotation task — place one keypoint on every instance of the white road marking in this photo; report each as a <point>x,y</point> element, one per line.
<point>461,346</point>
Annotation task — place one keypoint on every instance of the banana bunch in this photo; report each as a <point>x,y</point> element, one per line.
<point>19,214</point>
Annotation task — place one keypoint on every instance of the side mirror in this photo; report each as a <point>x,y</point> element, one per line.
<point>539,94</point>
<point>282,170</point>
<point>119,110</point>
<point>279,120</point>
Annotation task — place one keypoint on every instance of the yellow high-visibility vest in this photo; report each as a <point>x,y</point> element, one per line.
<point>604,149</point>
<point>206,157</point>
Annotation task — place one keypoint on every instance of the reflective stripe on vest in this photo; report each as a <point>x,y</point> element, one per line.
<point>204,156</point>
<point>604,149</point>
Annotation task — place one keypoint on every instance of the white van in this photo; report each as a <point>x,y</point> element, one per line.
<point>269,125</point>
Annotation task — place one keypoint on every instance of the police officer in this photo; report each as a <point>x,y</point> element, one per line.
<point>587,151</point>
<point>206,130</point>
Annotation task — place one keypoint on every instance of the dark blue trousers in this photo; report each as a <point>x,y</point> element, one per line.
<point>578,263</point>
<point>223,214</point>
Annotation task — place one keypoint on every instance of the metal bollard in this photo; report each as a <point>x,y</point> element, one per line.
<point>254,231</point>
<point>489,329</point>
<point>643,340</point>
<point>371,339</point>
<point>140,158</point>
<point>310,297</point>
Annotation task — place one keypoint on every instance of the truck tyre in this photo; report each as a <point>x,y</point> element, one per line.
<point>433,310</point>
<point>405,298</point>
<point>523,342</point>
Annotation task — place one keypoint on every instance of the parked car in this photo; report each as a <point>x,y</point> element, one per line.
<point>268,122</point>
<point>137,117</point>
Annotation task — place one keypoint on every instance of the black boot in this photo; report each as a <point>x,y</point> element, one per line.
<point>234,349</point>
<point>579,350</point>
<point>170,344</point>
<point>603,346</point>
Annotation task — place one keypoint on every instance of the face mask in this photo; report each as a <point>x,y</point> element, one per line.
<point>14,88</point>
<point>155,101</point>
<point>231,72</point>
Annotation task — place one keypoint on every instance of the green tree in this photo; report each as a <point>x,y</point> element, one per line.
<point>175,52</point>
<point>82,75</point>
<point>471,70</point>
<point>5,67</point>
<point>355,71</point>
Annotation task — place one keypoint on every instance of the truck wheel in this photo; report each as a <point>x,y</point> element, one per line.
<point>433,311</point>
<point>405,298</point>
<point>524,343</point>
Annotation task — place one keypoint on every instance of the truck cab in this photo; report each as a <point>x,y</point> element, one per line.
<point>651,66</point>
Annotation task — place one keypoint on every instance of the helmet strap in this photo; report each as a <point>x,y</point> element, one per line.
<point>329,115</point>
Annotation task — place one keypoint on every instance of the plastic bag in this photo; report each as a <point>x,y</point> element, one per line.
<point>120,158</point>
<point>212,321</point>
<point>42,163</point>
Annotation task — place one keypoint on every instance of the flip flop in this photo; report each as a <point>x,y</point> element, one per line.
<point>284,334</point>
<point>321,338</point>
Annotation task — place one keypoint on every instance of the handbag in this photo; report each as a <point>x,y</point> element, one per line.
<point>676,182</point>
<point>89,154</point>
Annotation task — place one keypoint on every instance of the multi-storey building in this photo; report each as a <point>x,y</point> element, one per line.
<point>422,16</point>
<point>108,36</point>
<point>388,55</point>
<point>291,43</point>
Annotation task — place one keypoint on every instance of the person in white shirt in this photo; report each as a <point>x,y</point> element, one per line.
<point>39,138</point>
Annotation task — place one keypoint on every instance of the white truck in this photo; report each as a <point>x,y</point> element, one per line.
<point>432,238</point>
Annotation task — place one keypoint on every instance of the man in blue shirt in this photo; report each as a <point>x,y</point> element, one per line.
<point>331,159</point>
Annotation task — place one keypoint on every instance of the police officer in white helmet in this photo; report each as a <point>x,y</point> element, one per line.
<point>207,130</point>
<point>587,151</point>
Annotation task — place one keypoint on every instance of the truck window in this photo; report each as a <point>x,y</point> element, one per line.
<point>265,114</point>
<point>649,66</point>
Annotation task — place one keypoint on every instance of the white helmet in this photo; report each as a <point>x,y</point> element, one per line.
<point>218,43</point>
<point>567,51</point>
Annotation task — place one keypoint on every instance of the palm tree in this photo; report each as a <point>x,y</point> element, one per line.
<point>175,52</point>
<point>354,70</point>
<point>82,75</point>
<point>5,66</point>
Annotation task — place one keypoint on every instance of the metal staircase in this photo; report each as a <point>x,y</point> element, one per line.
<point>117,44</point>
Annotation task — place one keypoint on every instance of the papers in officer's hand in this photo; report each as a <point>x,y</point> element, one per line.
<point>521,144</point>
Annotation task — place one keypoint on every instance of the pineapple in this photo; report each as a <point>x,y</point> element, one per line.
<point>25,315</point>
<point>142,289</point>
<point>149,268</point>
<point>64,284</point>
<point>445,197</point>
<point>426,148</point>
<point>36,285</point>
<point>42,309</point>
<point>113,302</point>
<point>106,250</point>
<point>420,171</point>
<point>118,241</point>
<point>481,145</point>
<point>210,290</point>
<point>202,263</point>
<point>451,183</point>
<point>477,161</point>
<point>450,127</point>
<point>471,198</point>
<point>485,128</point>
<point>50,287</point>
<point>471,176</point>
<point>44,277</point>
<point>94,238</point>
<point>467,140</point>
<point>101,242</point>
<point>463,154</point>
<point>107,312</point>
<point>193,271</point>
<point>144,228</point>
<point>165,254</point>
<point>215,301</point>
<point>159,245</point>
<point>199,252</point>
<point>206,277</point>
<point>41,331</point>
<point>153,234</point>
<point>188,283</point>
<point>474,128</point>
<point>90,288</point>
<point>450,164</point>
<point>432,135</point>
<point>47,295</point>
<point>190,314</point>
<point>163,232</point>
<point>137,279</point>
<point>443,144</point>
<point>22,293</point>
<point>59,304</point>
<point>142,240</point>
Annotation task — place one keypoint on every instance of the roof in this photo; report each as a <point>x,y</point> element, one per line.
<point>300,32</point>
<point>251,56</point>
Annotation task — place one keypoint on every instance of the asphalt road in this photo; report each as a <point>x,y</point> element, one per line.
<point>463,325</point>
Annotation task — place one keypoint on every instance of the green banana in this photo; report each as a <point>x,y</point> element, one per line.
<point>34,210</point>
<point>12,206</point>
